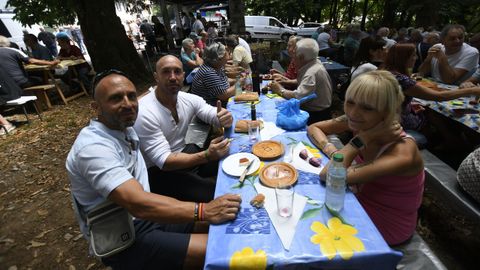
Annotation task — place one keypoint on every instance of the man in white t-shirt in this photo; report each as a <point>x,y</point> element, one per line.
<point>240,56</point>
<point>452,61</point>
<point>242,42</point>
<point>174,168</point>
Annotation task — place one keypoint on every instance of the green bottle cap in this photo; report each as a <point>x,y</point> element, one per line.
<point>338,157</point>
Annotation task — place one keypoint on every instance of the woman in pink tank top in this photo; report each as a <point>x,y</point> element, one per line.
<point>384,164</point>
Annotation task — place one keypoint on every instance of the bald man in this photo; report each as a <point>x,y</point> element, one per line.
<point>105,164</point>
<point>177,169</point>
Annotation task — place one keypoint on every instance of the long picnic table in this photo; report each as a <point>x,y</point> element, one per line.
<point>252,241</point>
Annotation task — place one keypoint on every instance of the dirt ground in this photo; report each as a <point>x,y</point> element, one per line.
<point>38,228</point>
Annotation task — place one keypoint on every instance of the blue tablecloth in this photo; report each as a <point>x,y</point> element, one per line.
<point>331,66</point>
<point>460,110</point>
<point>252,237</point>
<point>334,67</point>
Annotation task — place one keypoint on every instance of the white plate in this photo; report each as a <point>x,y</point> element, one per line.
<point>231,164</point>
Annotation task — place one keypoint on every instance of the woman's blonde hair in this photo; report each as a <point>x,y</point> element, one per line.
<point>380,90</point>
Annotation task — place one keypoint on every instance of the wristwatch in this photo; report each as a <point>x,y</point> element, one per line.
<point>357,143</point>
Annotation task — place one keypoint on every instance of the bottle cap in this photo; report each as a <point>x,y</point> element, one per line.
<point>338,157</point>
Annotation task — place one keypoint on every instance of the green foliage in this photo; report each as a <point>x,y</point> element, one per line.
<point>57,12</point>
<point>48,12</point>
<point>395,13</point>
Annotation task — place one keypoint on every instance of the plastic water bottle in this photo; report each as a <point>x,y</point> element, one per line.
<point>238,86</point>
<point>248,82</point>
<point>336,181</point>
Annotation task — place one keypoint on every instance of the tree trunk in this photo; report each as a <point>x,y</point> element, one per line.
<point>426,15</point>
<point>364,15</point>
<point>166,22</point>
<point>106,40</point>
<point>389,13</point>
<point>335,14</point>
<point>237,16</point>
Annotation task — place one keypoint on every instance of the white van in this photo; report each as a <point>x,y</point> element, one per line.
<point>12,29</point>
<point>265,27</point>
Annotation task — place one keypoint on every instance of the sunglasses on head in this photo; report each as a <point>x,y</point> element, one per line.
<point>104,74</point>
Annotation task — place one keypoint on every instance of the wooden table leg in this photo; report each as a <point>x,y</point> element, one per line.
<point>58,88</point>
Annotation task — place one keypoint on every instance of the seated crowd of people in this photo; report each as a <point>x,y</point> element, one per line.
<point>134,152</point>
<point>12,61</point>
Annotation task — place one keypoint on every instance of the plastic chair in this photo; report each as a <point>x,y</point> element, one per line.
<point>22,102</point>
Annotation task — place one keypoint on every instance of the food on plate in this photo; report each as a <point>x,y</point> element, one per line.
<point>315,162</point>
<point>303,154</point>
<point>278,173</point>
<point>258,200</point>
<point>247,96</point>
<point>242,125</point>
<point>243,161</point>
<point>268,150</point>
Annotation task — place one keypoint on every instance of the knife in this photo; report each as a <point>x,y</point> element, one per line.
<point>242,177</point>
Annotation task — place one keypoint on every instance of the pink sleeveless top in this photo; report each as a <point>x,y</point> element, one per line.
<point>392,202</point>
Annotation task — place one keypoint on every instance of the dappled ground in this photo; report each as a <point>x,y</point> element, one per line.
<point>38,229</point>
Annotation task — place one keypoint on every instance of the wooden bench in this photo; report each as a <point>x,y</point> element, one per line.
<point>442,179</point>
<point>418,255</point>
<point>41,92</point>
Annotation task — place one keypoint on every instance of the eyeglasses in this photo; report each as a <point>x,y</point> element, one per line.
<point>104,74</point>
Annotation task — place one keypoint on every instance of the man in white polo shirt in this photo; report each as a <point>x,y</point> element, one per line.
<point>175,168</point>
<point>452,61</point>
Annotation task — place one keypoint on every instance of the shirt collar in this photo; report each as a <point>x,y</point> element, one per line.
<point>127,134</point>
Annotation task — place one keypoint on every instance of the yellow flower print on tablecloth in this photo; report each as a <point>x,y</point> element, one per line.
<point>314,151</point>
<point>337,237</point>
<point>259,168</point>
<point>247,259</point>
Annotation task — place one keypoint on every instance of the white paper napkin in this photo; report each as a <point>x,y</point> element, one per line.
<point>270,130</point>
<point>285,227</point>
<point>301,164</point>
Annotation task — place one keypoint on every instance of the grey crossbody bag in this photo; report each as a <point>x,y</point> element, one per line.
<point>110,228</point>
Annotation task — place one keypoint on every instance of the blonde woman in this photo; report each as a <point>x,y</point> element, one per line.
<point>388,175</point>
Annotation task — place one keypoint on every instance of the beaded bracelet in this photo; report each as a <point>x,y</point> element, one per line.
<point>195,213</point>
<point>206,154</point>
<point>325,146</point>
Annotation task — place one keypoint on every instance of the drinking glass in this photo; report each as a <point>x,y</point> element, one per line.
<point>284,194</point>
<point>254,131</point>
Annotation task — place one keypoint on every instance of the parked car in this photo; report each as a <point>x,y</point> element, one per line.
<point>265,27</point>
<point>306,29</point>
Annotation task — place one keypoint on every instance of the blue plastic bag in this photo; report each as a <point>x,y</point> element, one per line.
<point>290,117</point>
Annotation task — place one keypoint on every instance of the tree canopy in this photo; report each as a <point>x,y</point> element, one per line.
<point>100,26</point>
<point>391,13</point>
